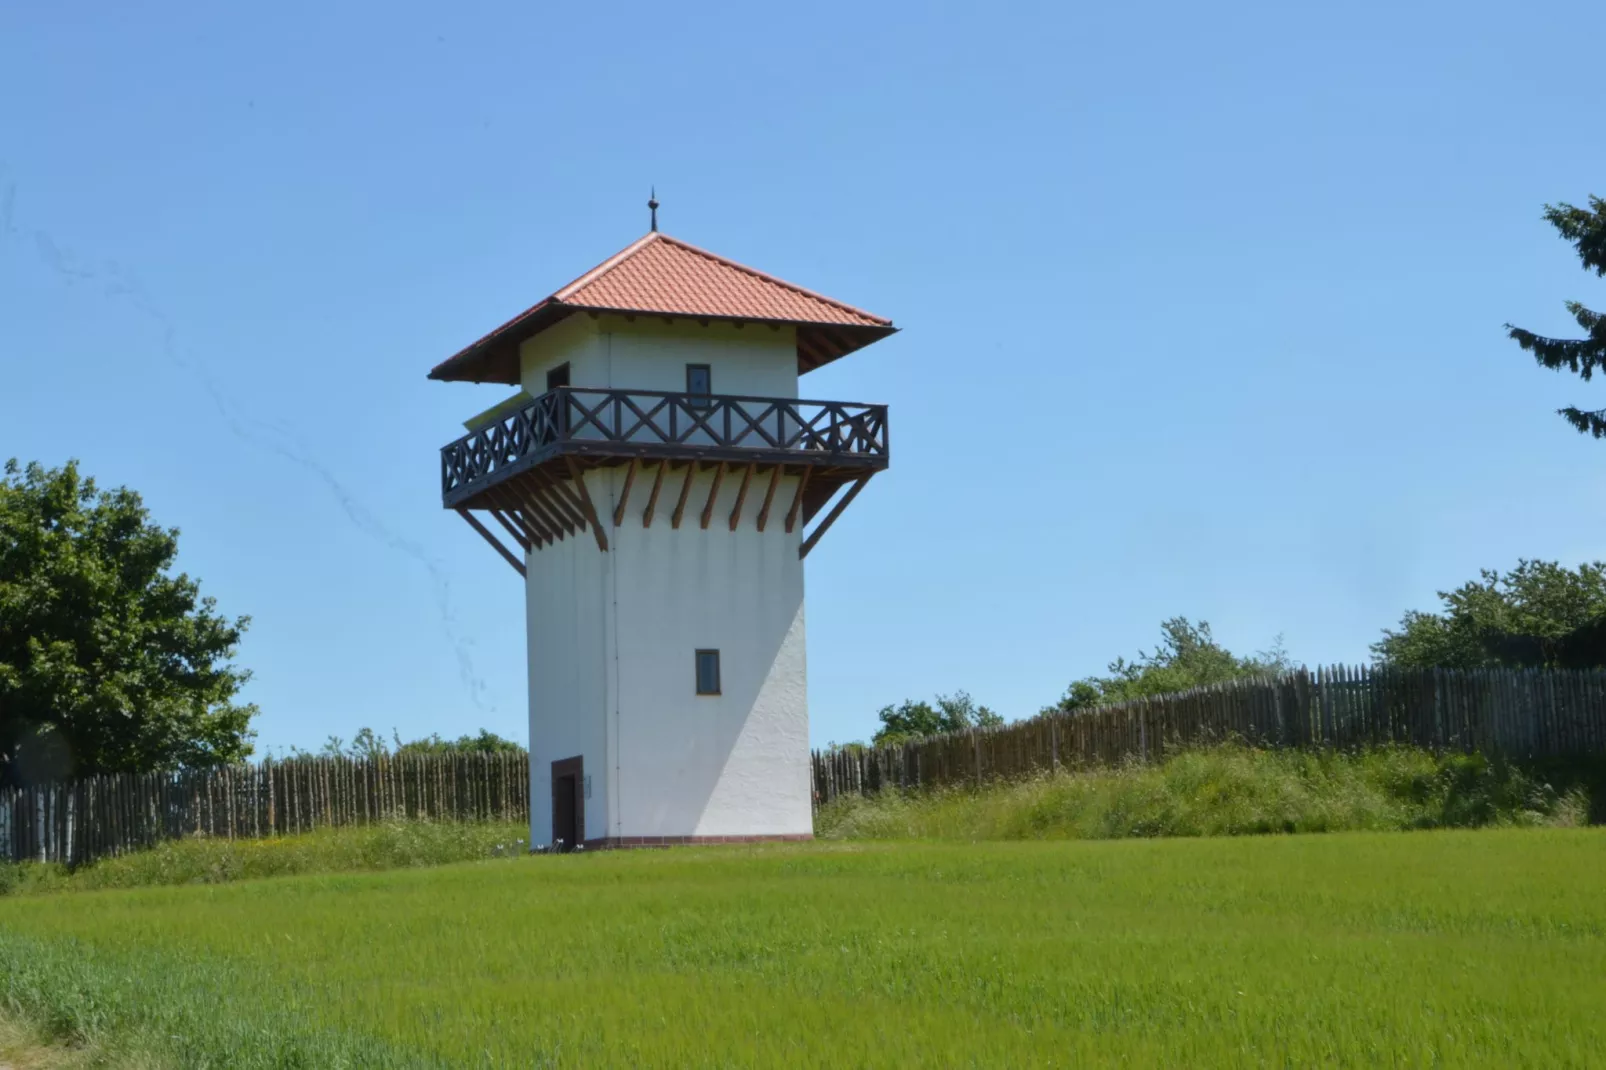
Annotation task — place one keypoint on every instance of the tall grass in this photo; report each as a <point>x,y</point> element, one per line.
<point>1439,949</point>
<point>1222,791</point>
<point>206,860</point>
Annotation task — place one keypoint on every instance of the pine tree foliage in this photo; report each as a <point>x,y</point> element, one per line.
<point>1586,229</point>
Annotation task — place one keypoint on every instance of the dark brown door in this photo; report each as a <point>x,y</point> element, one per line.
<point>568,804</point>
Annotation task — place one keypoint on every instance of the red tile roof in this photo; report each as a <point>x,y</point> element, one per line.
<point>660,275</point>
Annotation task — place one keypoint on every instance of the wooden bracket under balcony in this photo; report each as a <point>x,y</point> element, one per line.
<point>528,469</point>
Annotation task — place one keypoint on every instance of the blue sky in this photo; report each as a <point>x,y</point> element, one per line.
<point>1202,309</point>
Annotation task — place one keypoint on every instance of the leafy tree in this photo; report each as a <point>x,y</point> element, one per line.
<point>1188,656</point>
<point>1586,229</point>
<point>482,743</point>
<point>108,662</point>
<point>368,744</point>
<point>947,713</point>
<point>1537,615</point>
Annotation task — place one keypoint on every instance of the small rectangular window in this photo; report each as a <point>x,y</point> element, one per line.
<point>700,385</point>
<point>558,376</point>
<point>708,672</point>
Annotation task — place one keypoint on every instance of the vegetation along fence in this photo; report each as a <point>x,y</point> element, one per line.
<point>1521,713</point>
<point>82,820</point>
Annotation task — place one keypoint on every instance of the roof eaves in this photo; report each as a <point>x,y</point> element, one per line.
<point>477,348</point>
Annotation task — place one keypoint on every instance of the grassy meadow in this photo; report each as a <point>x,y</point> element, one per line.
<point>210,860</point>
<point>1421,949</point>
<point>1232,790</point>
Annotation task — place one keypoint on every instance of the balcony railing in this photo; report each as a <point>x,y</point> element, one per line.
<point>649,423</point>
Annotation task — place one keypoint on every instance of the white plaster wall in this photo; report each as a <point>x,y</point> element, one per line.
<point>613,636</point>
<point>568,605</point>
<point>646,353</point>
<point>689,764</point>
<point>756,360</point>
<point>575,340</point>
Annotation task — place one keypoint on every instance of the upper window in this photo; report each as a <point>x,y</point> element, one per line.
<point>700,384</point>
<point>708,672</point>
<point>558,376</point>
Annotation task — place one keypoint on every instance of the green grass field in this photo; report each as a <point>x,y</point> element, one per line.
<point>1416,949</point>
<point>203,860</point>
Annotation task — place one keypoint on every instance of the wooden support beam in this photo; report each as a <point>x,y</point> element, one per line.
<point>809,349</point>
<point>508,503</point>
<point>797,501</point>
<point>769,496</point>
<point>685,492</point>
<point>560,492</point>
<point>652,499</point>
<point>562,498</point>
<point>492,539</point>
<point>838,343</point>
<point>540,523</point>
<point>830,518</point>
<point>520,536</point>
<point>713,493</point>
<point>624,495</point>
<point>741,496</point>
<point>587,507</point>
<point>537,506</point>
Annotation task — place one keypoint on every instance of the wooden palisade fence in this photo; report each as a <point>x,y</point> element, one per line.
<point>82,820</point>
<point>1521,713</point>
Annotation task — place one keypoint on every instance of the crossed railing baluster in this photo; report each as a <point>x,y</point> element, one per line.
<point>580,414</point>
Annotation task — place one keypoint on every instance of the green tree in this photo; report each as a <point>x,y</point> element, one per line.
<point>481,743</point>
<point>946,713</point>
<point>1188,656</point>
<point>1586,229</point>
<point>1537,615</point>
<point>368,744</point>
<point>108,662</point>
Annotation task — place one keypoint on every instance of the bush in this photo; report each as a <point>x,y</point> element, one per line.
<point>1222,791</point>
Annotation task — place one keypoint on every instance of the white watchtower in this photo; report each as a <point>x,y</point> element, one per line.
<point>653,478</point>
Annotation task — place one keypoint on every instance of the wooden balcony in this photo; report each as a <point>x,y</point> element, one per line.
<point>524,467</point>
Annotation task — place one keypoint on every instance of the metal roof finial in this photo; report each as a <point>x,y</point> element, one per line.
<point>652,206</point>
